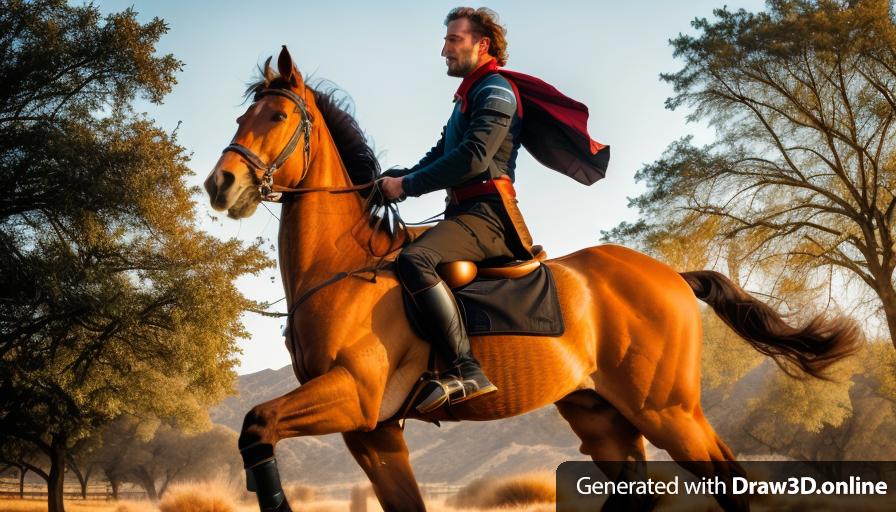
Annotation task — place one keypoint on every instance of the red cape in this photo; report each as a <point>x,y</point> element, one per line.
<point>555,131</point>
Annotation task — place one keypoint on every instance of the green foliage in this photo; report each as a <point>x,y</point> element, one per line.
<point>800,186</point>
<point>113,301</point>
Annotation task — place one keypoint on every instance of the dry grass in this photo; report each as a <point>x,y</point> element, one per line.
<point>516,491</point>
<point>213,496</point>
<point>132,506</point>
<point>73,506</point>
<point>441,506</point>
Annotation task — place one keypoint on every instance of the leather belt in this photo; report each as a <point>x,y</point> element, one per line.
<point>490,186</point>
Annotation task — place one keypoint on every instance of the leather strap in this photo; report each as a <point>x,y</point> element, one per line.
<point>490,186</point>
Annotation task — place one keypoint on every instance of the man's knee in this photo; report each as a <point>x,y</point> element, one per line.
<point>416,267</point>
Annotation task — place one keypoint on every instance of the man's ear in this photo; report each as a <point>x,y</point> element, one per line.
<point>484,46</point>
<point>287,69</point>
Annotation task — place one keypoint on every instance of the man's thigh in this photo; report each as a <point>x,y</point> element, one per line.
<point>464,237</point>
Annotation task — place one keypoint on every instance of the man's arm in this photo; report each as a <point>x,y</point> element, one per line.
<point>493,110</point>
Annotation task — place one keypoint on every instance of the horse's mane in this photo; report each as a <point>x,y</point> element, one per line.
<point>359,159</point>
<point>337,109</point>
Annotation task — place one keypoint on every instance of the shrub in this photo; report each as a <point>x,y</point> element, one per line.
<point>527,489</point>
<point>198,497</point>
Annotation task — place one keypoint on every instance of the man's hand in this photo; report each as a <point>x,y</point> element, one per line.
<point>391,188</point>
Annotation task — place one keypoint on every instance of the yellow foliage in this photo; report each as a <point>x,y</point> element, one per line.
<point>726,357</point>
<point>812,403</point>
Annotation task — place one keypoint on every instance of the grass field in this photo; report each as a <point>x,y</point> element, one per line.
<point>531,493</point>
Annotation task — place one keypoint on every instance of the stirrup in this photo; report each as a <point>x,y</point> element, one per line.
<point>453,391</point>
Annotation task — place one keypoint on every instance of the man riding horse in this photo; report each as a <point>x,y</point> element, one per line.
<point>616,376</point>
<point>474,157</point>
<point>475,161</point>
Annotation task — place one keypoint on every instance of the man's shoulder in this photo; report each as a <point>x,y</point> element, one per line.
<point>493,92</point>
<point>493,80</point>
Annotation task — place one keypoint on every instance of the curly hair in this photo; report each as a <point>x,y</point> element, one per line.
<point>485,24</point>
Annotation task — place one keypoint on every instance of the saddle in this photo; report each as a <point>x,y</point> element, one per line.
<point>461,273</point>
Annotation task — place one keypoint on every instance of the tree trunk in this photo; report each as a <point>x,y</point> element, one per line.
<point>148,483</point>
<point>164,486</point>
<point>86,482</point>
<point>82,477</point>
<point>56,480</point>
<point>22,471</point>
<point>887,295</point>
<point>114,483</point>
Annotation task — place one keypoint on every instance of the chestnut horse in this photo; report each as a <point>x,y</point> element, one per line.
<point>626,368</point>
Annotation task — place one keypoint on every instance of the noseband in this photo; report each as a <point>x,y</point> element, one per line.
<point>266,187</point>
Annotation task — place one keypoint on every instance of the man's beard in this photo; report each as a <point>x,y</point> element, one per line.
<point>462,66</point>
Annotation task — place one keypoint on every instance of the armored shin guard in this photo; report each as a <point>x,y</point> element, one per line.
<point>264,480</point>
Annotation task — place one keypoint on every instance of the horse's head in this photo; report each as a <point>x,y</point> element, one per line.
<point>272,145</point>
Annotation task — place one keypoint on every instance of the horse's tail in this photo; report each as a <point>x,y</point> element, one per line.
<point>812,348</point>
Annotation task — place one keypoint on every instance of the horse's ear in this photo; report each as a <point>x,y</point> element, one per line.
<point>287,68</point>
<point>268,72</point>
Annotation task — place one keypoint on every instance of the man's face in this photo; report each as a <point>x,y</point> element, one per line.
<point>462,48</point>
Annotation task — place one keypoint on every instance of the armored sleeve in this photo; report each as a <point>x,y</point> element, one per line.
<point>493,108</point>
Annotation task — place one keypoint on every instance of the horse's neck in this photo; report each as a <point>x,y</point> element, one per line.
<point>316,229</point>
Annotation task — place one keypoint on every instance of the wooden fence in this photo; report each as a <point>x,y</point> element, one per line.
<point>9,489</point>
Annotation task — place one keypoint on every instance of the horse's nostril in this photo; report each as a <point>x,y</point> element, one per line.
<point>225,180</point>
<point>218,185</point>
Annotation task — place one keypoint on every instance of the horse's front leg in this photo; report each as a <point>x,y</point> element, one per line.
<point>340,400</point>
<point>383,455</point>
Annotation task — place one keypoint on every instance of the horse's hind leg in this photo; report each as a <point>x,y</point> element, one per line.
<point>614,444</point>
<point>694,445</point>
<point>383,455</point>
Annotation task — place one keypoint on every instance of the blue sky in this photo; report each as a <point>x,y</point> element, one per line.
<point>386,56</point>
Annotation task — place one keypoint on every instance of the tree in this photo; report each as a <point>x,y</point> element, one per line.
<point>172,455</point>
<point>799,187</point>
<point>117,441</point>
<point>852,419</point>
<point>113,301</point>
<point>81,460</point>
<point>21,456</point>
<point>155,455</point>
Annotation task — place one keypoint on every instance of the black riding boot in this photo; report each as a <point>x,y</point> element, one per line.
<point>464,380</point>
<point>264,480</point>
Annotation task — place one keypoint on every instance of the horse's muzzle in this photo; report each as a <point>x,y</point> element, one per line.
<point>219,186</point>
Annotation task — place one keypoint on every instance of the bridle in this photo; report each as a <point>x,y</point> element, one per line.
<point>271,192</point>
<point>266,185</point>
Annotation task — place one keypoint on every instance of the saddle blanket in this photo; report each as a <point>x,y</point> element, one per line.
<point>525,305</point>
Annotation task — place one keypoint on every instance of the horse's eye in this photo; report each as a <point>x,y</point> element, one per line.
<point>280,116</point>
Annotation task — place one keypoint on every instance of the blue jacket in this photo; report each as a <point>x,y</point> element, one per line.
<point>481,144</point>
